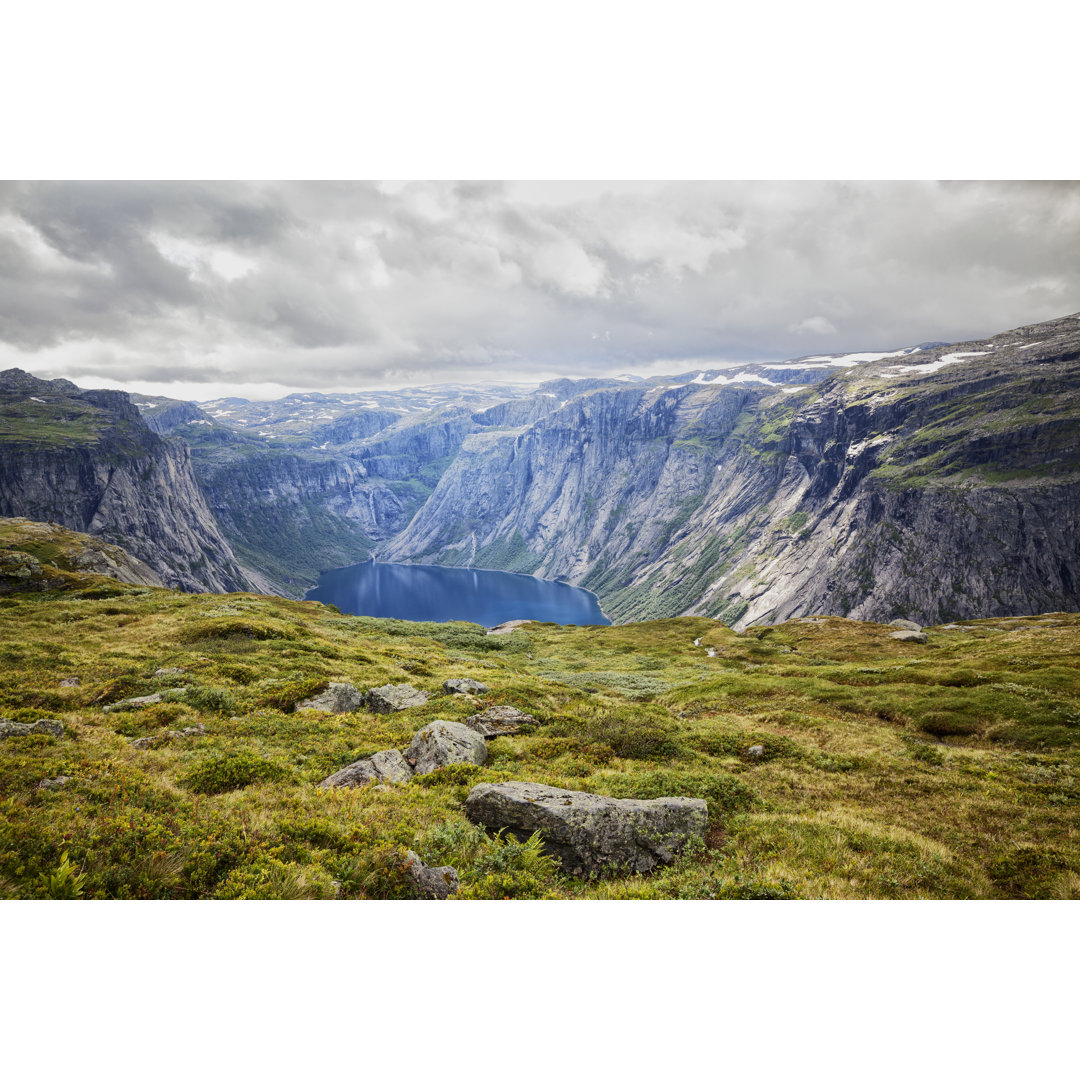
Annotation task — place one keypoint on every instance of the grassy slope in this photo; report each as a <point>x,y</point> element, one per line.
<point>890,769</point>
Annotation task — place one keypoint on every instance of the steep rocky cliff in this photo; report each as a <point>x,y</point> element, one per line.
<point>85,459</point>
<point>942,483</point>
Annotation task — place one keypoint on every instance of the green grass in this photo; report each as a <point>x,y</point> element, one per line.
<point>888,769</point>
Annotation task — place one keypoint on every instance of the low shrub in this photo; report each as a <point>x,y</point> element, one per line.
<point>231,772</point>
<point>723,792</point>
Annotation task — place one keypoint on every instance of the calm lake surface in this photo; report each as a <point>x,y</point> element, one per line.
<point>443,594</point>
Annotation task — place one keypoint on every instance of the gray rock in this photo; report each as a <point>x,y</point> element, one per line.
<point>128,704</point>
<point>916,636</point>
<point>339,697</point>
<point>445,743</point>
<point>163,672</point>
<point>387,766</point>
<point>52,783</point>
<point>465,686</point>
<point>508,627</point>
<point>905,624</point>
<point>431,882</point>
<point>70,682</point>
<point>500,720</point>
<point>11,728</point>
<point>148,741</point>
<point>591,835</point>
<point>394,698</point>
<point>756,752</point>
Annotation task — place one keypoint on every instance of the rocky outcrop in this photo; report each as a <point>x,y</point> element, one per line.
<point>465,686</point>
<point>591,835</point>
<point>385,767</point>
<point>394,698</point>
<point>86,460</point>
<point>445,743</point>
<point>915,636</point>
<point>338,697</point>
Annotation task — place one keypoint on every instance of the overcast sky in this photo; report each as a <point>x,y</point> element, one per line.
<point>196,290</point>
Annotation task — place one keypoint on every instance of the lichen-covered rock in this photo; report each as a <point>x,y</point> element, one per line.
<point>387,766</point>
<point>12,729</point>
<point>591,835</point>
<point>148,741</point>
<point>905,624</point>
<point>500,720</point>
<point>755,753</point>
<point>165,672</point>
<point>915,636</point>
<point>431,882</point>
<point>465,686</point>
<point>67,683</point>
<point>52,783</point>
<point>445,743</point>
<point>128,704</point>
<point>394,698</point>
<point>339,697</point>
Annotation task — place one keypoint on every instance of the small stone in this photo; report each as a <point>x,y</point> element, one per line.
<point>500,720</point>
<point>915,636</point>
<point>756,752</point>
<point>465,686</point>
<point>394,698</point>
<point>431,882</point>
<point>164,672</point>
<point>131,703</point>
<point>53,783</point>
<point>387,766</point>
<point>905,624</point>
<point>13,729</point>
<point>445,743</point>
<point>339,697</point>
<point>70,682</point>
<point>148,741</point>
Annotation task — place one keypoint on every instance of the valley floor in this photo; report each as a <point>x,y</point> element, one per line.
<point>949,769</point>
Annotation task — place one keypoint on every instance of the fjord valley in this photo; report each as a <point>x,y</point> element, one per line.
<point>844,659</point>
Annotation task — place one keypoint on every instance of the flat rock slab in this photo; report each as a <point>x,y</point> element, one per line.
<point>465,686</point>
<point>915,636</point>
<point>508,627</point>
<point>134,703</point>
<point>339,697</point>
<point>500,720</point>
<point>385,767</point>
<point>591,835</point>
<point>905,624</point>
<point>13,729</point>
<point>431,882</point>
<point>444,742</point>
<point>389,699</point>
<point>52,783</point>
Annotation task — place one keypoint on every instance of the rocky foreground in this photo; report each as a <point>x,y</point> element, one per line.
<point>155,744</point>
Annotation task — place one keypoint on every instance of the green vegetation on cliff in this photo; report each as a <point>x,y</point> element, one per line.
<point>885,769</point>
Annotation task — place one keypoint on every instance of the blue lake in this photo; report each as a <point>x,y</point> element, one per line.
<point>445,594</point>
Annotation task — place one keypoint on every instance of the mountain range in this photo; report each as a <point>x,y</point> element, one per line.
<point>934,482</point>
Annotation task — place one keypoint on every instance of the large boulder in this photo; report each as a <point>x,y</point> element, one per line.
<point>915,636</point>
<point>13,729</point>
<point>338,697</point>
<point>905,624</point>
<point>465,686</point>
<point>445,743</point>
<point>389,699</point>
<point>591,835</point>
<point>431,882</point>
<point>385,767</point>
<point>500,720</point>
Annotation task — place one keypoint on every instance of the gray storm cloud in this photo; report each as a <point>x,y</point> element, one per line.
<point>334,285</point>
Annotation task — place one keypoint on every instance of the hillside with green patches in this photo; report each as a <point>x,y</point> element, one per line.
<point>890,769</point>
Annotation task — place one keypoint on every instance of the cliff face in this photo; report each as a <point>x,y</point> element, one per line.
<point>943,484</point>
<point>87,461</point>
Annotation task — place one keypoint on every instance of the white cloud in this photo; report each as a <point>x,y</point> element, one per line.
<point>814,324</point>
